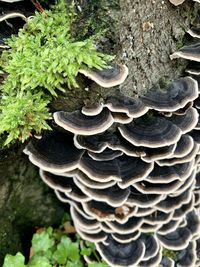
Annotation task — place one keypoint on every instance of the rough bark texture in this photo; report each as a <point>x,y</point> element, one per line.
<point>25,203</point>
<point>150,32</point>
<point>143,34</point>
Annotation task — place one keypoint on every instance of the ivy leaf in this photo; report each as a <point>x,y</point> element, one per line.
<point>66,250</point>
<point>42,242</point>
<point>14,261</point>
<point>39,261</point>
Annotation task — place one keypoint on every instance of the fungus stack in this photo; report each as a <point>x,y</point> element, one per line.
<point>128,167</point>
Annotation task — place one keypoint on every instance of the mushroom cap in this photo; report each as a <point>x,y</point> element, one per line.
<point>151,132</point>
<point>158,188</point>
<point>99,142</point>
<point>125,238</point>
<point>12,15</point>
<point>57,182</point>
<point>194,32</point>
<point>106,154</point>
<point>184,209</point>
<point>100,171</point>
<point>78,123</point>
<point>133,107</point>
<point>167,262</point>
<point>193,68</point>
<point>187,121</point>
<point>141,200</point>
<point>169,227</point>
<point>191,52</point>
<point>104,212</point>
<point>176,2</point>
<point>191,155</point>
<point>153,154</point>
<point>167,174</point>
<point>154,261</point>
<point>171,203</point>
<point>132,225</point>
<point>114,196</point>
<point>183,146</point>
<point>132,170</point>
<point>188,256</point>
<point>54,152</point>
<point>92,110</point>
<point>112,76</point>
<point>116,254</point>
<point>176,240</point>
<point>151,246</point>
<point>85,180</point>
<point>175,97</point>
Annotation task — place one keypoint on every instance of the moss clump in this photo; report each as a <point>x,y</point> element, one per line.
<point>44,59</point>
<point>169,253</point>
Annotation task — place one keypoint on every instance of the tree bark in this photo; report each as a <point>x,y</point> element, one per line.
<point>142,33</point>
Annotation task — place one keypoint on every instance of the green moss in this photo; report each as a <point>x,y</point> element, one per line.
<point>44,60</point>
<point>169,253</point>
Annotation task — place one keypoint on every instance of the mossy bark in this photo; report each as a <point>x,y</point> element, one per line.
<point>25,203</point>
<point>142,33</point>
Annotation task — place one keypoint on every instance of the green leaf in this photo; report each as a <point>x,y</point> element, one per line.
<point>66,250</point>
<point>42,242</point>
<point>14,261</point>
<point>39,261</point>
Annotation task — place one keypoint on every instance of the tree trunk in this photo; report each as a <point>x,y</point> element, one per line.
<point>142,33</point>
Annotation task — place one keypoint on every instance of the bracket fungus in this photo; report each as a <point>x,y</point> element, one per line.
<point>129,169</point>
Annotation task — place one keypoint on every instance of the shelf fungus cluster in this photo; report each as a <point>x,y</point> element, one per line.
<point>129,167</point>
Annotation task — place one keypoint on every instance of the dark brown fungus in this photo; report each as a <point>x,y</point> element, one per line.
<point>175,97</point>
<point>187,121</point>
<point>112,76</point>
<point>153,154</point>
<point>167,262</point>
<point>182,211</point>
<point>93,110</point>
<point>171,203</point>
<point>169,227</point>
<point>159,188</point>
<point>151,131</point>
<point>194,32</point>
<point>133,107</point>
<point>54,152</point>
<point>191,155</point>
<point>100,171</point>
<point>83,221</point>
<point>132,170</point>
<point>187,257</point>
<point>193,222</point>
<point>154,261</point>
<point>183,147</point>
<point>57,182</point>
<point>191,52</point>
<point>151,246</point>
<point>136,198</point>
<point>106,154</point>
<point>114,196</point>
<point>126,238</point>
<point>176,240</point>
<point>85,180</point>
<point>167,174</point>
<point>78,123</point>
<point>116,254</point>
<point>193,68</point>
<point>133,224</point>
